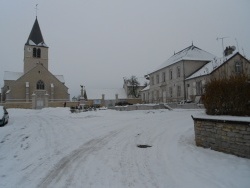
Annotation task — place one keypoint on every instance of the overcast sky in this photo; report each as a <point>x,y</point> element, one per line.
<point>98,42</point>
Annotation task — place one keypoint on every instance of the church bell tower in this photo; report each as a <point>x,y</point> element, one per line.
<point>35,49</point>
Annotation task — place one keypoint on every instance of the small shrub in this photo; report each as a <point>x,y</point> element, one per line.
<point>228,96</point>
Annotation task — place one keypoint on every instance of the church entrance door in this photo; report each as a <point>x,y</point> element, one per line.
<point>40,99</point>
<point>39,103</point>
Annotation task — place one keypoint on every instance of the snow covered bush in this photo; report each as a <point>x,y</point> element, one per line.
<point>228,96</point>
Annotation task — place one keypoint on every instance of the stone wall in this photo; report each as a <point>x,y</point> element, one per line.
<point>25,105</point>
<point>228,136</point>
<point>28,105</point>
<point>142,107</point>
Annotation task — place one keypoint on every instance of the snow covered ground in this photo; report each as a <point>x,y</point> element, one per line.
<point>55,148</point>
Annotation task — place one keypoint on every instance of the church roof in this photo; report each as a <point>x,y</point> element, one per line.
<point>60,78</point>
<point>190,53</point>
<point>8,75</point>
<point>36,37</point>
<point>12,75</point>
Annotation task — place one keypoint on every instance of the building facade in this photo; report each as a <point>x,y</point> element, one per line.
<point>219,68</point>
<point>167,82</point>
<point>184,75</point>
<point>36,84</point>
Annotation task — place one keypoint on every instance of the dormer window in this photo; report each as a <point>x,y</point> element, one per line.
<point>40,85</point>
<point>37,52</point>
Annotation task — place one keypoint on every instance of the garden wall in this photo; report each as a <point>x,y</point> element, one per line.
<point>228,136</point>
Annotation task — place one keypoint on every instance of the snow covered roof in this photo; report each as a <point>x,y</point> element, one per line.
<point>146,88</point>
<point>12,75</point>
<point>189,53</point>
<point>15,75</point>
<point>210,67</point>
<point>60,78</point>
<point>36,37</point>
<point>108,92</point>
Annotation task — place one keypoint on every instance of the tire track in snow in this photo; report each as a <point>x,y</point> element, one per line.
<point>74,159</point>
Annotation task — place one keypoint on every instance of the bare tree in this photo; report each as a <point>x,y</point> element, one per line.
<point>133,86</point>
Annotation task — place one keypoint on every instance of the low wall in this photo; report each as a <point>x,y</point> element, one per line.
<point>141,107</point>
<point>25,105</point>
<point>61,104</point>
<point>186,106</point>
<point>228,136</point>
<point>28,105</point>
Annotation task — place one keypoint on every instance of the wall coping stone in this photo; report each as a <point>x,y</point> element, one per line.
<point>224,119</point>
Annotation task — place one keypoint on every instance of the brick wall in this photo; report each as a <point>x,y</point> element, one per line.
<point>228,136</point>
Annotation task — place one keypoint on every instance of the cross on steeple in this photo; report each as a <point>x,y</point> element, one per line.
<point>36,9</point>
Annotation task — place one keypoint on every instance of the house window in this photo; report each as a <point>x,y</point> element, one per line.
<point>157,95</point>
<point>170,92</point>
<point>178,91</point>
<point>170,74</point>
<point>238,67</point>
<point>163,77</point>
<point>37,52</point>
<point>40,85</point>
<point>178,72</point>
<point>157,79</point>
<point>199,88</point>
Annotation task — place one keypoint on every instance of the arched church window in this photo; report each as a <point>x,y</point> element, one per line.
<point>40,85</point>
<point>34,52</point>
<point>38,53</point>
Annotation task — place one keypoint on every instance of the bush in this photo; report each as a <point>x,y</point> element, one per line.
<point>228,96</point>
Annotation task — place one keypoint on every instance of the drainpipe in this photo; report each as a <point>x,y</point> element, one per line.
<point>184,75</point>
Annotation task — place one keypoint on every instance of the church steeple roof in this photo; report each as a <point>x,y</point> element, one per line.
<point>36,37</point>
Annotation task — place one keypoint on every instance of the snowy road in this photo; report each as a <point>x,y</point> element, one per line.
<point>54,148</point>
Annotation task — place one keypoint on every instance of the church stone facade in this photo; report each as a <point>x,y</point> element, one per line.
<point>35,87</point>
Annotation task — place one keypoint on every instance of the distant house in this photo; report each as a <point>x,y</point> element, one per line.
<point>145,94</point>
<point>108,97</point>
<point>218,68</point>
<point>105,97</point>
<point>143,82</point>
<point>167,82</point>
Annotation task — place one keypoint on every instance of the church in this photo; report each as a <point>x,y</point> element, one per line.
<point>36,87</point>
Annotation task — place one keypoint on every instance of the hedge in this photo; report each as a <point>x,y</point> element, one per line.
<point>228,96</point>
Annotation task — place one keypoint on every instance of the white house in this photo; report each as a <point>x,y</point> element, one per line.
<point>167,82</point>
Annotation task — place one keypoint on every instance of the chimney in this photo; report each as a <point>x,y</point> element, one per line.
<point>229,50</point>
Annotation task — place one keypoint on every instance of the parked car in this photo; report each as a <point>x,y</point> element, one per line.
<point>122,103</point>
<point>185,101</point>
<point>4,116</point>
